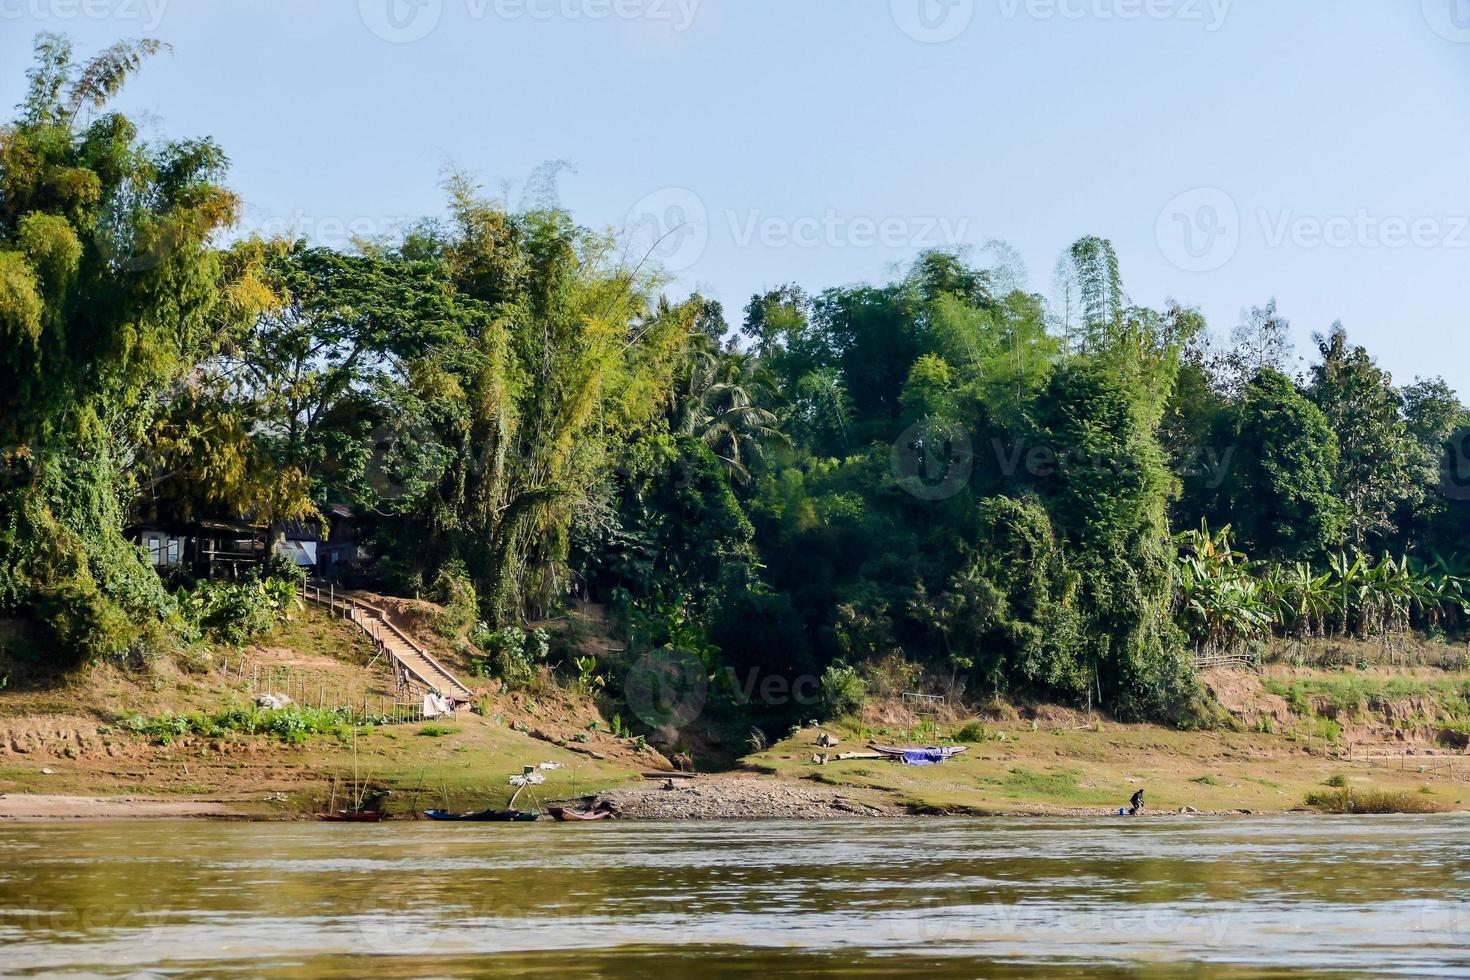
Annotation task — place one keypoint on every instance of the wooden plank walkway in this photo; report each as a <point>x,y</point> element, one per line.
<point>410,661</point>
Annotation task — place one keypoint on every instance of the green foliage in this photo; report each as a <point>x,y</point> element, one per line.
<point>843,691</point>
<point>110,292</point>
<point>510,653</point>
<point>459,607</point>
<point>292,724</point>
<point>1368,801</point>
<point>521,418</point>
<point>1280,490</point>
<point>1375,458</point>
<point>236,613</point>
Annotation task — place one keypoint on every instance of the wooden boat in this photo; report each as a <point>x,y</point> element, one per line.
<point>919,755</point>
<point>485,816</point>
<point>563,814</point>
<point>352,816</point>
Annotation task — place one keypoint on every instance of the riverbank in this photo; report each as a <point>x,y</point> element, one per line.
<point>107,743</point>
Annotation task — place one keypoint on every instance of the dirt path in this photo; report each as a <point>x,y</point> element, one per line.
<point>28,807</point>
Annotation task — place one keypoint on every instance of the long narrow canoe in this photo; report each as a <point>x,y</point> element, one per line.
<point>930,755</point>
<point>352,816</point>
<point>484,816</point>
<point>562,814</point>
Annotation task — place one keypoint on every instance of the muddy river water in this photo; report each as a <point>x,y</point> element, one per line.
<point>1286,896</point>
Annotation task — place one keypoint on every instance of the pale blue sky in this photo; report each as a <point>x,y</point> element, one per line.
<point>1315,150</point>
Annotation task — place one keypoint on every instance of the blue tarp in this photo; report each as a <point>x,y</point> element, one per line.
<point>926,757</point>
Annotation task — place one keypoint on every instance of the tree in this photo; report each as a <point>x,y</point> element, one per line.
<point>313,375</point>
<point>564,362</point>
<point>1279,486</point>
<point>1089,278</point>
<point>109,294</point>
<point>1437,424</point>
<point>1374,475</point>
<point>1106,498</point>
<point>729,413</point>
<point>1261,341</point>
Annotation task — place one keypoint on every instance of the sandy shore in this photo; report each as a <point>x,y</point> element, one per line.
<point>23,806</point>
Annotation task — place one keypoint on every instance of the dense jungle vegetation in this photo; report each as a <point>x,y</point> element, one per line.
<point>947,475</point>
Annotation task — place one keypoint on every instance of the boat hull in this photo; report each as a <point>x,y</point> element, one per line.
<point>352,816</point>
<point>563,815</point>
<point>484,816</point>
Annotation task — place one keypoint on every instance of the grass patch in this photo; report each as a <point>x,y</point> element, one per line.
<point>1063,785</point>
<point>1350,695</point>
<point>438,731</point>
<point>1206,780</point>
<point>1369,801</point>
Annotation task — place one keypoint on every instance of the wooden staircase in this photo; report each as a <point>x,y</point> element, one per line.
<point>411,663</point>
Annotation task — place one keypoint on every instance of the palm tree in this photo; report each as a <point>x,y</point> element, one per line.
<point>724,407</point>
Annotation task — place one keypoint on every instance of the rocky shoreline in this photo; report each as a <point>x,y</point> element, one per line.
<point>746,798</point>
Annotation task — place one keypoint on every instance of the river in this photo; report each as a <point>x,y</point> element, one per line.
<point>1287,896</point>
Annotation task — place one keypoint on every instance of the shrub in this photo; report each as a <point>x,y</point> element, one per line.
<point>1336,781</point>
<point>972,733</point>
<point>843,691</point>
<point>510,653</point>
<point>454,591</point>
<point>292,724</point>
<point>1369,801</point>
<point>235,613</point>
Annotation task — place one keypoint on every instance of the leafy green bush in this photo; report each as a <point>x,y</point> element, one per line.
<point>237,612</point>
<point>510,653</point>
<point>843,691</point>
<point>292,724</point>
<point>455,592</point>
